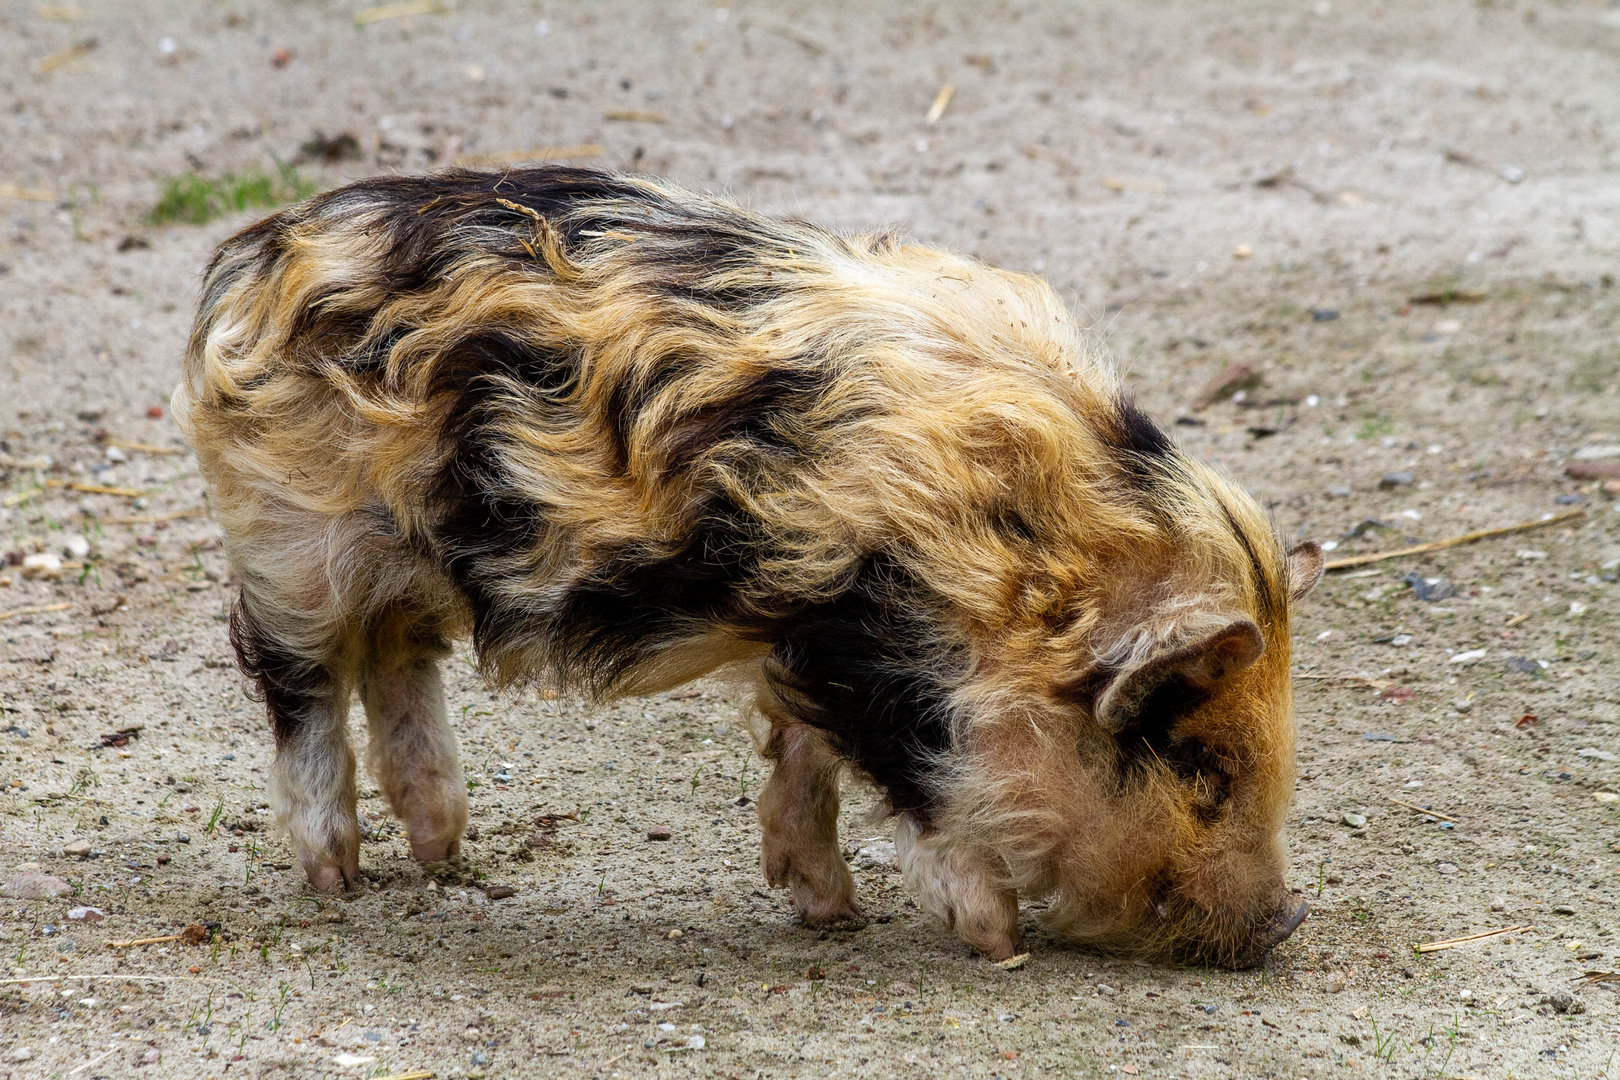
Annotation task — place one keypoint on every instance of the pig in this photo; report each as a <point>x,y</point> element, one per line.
<point>623,435</point>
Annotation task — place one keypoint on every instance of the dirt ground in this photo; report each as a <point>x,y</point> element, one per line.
<point>1404,217</point>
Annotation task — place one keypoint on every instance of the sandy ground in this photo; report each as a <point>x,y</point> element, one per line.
<point>1116,149</point>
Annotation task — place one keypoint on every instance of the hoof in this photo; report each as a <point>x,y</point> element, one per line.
<point>435,851</point>
<point>327,878</point>
<point>845,921</point>
<point>997,951</point>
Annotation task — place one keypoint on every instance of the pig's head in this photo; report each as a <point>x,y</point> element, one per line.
<point>1144,791</point>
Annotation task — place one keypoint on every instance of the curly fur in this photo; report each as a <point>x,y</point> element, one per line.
<point>622,435</point>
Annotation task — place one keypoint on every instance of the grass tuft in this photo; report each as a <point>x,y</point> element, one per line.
<point>195,200</point>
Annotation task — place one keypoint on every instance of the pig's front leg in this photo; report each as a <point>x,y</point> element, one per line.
<point>956,888</point>
<point>798,813</point>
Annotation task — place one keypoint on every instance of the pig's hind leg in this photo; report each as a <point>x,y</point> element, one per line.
<point>798,815</point>
<point>412,751</point>
<point>305,685</point>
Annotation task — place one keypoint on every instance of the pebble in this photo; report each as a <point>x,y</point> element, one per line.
<point>658,832</point>
<point>1391,480</point>
<point>35,887</point>
<point>75,547</point>
<point>1334,985</point>
<point>499,892</point>
<point>152,1056</point>
<point>1355,821</point>
<point>1447,868</point>
<point>1564,1002</point>
<point>86,914</point>
<point>673,935</point>
<point>1593,453</point>
<point>480,1058</point>
<point>22,1053</point>
<point>1498,904</point>
<point>472,1034</point>
<point>1563,909</point>
<point>875,856</point>
<point>77,849</point>
<point>1430,589</point>
<point>1105,990</point>
<point>43,565</point>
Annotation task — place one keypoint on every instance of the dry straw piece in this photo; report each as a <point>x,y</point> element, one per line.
<point>1115,183</point>
<point>66,56</point>
<point>1467,538</point>
<point>12,191</point>
<point>96,489</point>
<point>635,116</point>
<point>942,101</point>
<point>38,609</point>
<point>1419,809</point>
<point>399,11</point>
<point>152,519</point>
<point>1436,946</point>
<point>145,448</point>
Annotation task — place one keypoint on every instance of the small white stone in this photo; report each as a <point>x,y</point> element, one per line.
<point>75,546</point>
<point>42,565</point>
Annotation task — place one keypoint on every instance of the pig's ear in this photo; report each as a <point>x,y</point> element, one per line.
<point>1179,672</point>
<point>1305,564</point>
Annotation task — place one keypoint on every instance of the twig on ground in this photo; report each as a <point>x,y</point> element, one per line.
<point>37,609</point>
<point>1419,809</point>
<point>145,448</point>
<point>95,489</point>
<point>1436,946</point>
<point>1360,680</point>
<point>195,934</point>
<point>942,101</point>
<point>12,191</point>
<point>1454,541</point>
<point>152,519</point>
<point>1591,978</point>
<point>400,10</point>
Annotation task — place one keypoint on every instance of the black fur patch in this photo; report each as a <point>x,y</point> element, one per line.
<point>644,598</point>
<point>1266,598</point>
<point>1141,445</point>
<point>481,522</point>
<point>867,670</point>
<point>650,593</point>
<point>289,685</point>
<point>1151,740</point>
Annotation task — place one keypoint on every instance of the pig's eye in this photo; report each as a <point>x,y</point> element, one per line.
<point>1204,770</point>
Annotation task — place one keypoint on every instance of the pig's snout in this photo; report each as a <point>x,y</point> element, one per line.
<point>1274,931</point>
